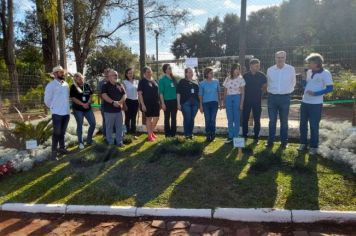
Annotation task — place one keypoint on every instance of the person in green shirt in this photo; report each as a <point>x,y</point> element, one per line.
<point>168,96</point>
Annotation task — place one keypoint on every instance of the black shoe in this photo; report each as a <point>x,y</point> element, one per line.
<point>255,141</point>
<point>212,137</point>
<point>54,155</point>
<point>269,145</point>
<point>63,151</point>
<point>284,145</point>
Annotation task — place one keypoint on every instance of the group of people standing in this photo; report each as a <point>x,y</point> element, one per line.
<point>239,93</point>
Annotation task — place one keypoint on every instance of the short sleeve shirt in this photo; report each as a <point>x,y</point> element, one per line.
<point>149,89</point>
<point>167,88</point>
<point>188,89</point>
<point>315,83</point>
<point>115,92</point>
<point>234,85</point>
<point>82,93</point>
<point>209,90</point>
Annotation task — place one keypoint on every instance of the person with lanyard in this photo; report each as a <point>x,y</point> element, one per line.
<point>81,95</point>
<point>234,89</point>
<point>56,98</point>
<point>281,80</point>
<point>317,83</point>
<point>148,96</point>
<point>188,101</point>
<point>256,84</point>
<point>209,97</point>
<point>131,84</point>
<point>168,97</point>
<point>114,95</point>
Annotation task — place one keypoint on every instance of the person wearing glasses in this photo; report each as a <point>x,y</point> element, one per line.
<point>114,96</point>
<point>81,95</point>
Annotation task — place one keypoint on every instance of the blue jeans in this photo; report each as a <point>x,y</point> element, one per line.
<point>232,105</point>
<point>189,111</point>
<point>210,110</point>
<point>310,113</point>
<point>113,120</point>
<point>278,104</point>
<point>60,124</point>
<point>79,117</point>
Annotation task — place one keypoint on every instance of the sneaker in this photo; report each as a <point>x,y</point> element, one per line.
<point>150,138</point>
<point>81,146</point>
<point>302,147</point>
<point>284,145</point>
<point>269,145</point>
<point>313,151</point>
<point>228,140</point>
<point>255,141</point>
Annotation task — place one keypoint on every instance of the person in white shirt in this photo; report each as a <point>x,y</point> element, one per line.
<point>234,89</point>
<point>56,99</point>
<point>131,84</point>
<point>281,79</point>
<point>317,83</point>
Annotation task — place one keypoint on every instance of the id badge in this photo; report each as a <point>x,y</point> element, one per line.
<point>84,99</point>
<point>192,91</point>
<point>172,85</point>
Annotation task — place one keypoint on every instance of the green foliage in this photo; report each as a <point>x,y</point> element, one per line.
<point>118,57</point>
<point>344,86</point>
<point>177,147</point>
<point>23,131</point>
<point>100,153</point>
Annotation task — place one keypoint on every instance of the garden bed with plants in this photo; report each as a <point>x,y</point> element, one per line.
<point>187,174</point>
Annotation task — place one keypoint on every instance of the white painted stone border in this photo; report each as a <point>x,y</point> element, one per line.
<point>235,214</point>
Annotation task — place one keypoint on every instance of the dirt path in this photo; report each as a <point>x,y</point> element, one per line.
<point>18,224</point>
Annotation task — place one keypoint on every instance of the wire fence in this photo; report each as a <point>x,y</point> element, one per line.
<point>339,59</point>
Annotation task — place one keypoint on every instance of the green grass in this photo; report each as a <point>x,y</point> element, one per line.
<point>165,175</point>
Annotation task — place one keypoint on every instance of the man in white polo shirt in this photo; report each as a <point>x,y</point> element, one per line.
<point>56,99</point>
<point>317,83</point>
<point>281,79</point>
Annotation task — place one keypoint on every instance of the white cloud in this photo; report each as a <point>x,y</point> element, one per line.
<point>197,11</point>
<point>254,8</point>
<point>231,5</point>
<point>190,27</point>
<point>24,5</point>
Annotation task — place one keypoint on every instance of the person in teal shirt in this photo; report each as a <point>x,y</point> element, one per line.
<point>168,95</point>
<point>209,96</point>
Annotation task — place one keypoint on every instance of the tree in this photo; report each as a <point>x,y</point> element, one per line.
<point>47,16</point>
<point>61,34</point>
<point>7,26</point>
<point>117,57</point>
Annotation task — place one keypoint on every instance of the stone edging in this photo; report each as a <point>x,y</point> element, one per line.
<point>235,214</point>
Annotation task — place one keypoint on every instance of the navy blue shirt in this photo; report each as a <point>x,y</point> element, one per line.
<point>253,87</point>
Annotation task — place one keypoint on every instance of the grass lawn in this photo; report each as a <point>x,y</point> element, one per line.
<point>145,174</point>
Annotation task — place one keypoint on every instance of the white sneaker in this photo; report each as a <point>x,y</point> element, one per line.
<point>313,151</point>
<point>302,147</point>
<point>81,146</point>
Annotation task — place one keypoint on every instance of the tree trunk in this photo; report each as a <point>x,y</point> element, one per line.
<point>61,34</point>
<point>48,30</point>
<point>7,22</point>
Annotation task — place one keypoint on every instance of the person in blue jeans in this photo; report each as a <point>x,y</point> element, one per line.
<point>81,95</point>
<point>234,89</point>
<point>188,101</point>
<point>281,80</point>
<point>209,97</point>
<point>317,83</point>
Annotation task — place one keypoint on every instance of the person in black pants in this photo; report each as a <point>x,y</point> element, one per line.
<point>256,84</point>
<point>168,95</point>
<point>131,85</point>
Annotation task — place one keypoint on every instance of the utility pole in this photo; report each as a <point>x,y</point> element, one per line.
<point>242,43</point>
<point>141,11</point>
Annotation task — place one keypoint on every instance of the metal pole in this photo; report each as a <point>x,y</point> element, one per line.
<point>142,35</point>
<point>242,43</point>
<point>157,73</point>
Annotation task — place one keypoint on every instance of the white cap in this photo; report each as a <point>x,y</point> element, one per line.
<point>57,68</point>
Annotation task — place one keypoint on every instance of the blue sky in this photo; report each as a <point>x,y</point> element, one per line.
<point>200,10</point>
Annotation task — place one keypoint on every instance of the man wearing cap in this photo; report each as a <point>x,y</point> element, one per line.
<point>57,100</point>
